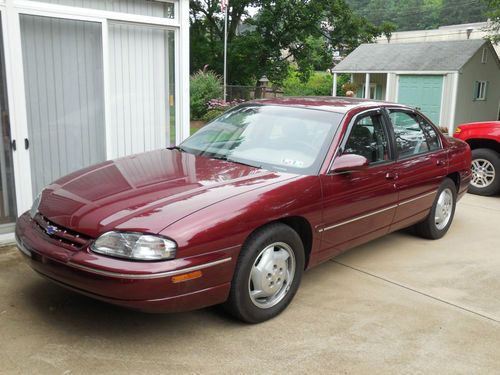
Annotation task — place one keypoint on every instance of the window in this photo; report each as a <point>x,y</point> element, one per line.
<point>410,137</point>
<point>152,8</point>
<point>480,88</point>
<point>276,138</point>
<point>431,136</point>
<point>373,91</point>
<point>484,56</point>
<point>368,139</point>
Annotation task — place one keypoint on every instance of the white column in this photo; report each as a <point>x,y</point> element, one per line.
<point>387,87</point>
<point>334,88</point>
<point>367,86</point>
<point>182,80</point>
<point>453,107</point>
<point>17,105</point>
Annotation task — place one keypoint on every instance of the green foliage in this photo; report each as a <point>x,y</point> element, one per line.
<point>318,84</point>
<point>212,114</point>
<point>420,14</point>
<point>282,31</point>
<point>204,87</point>
<point>494,14</point>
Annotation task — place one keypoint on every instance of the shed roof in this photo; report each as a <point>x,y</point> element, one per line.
<point>422,56</point>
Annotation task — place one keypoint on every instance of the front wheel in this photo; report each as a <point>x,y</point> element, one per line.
<point>267,274</point>
<point>485,172</point>
<point>437,223</point>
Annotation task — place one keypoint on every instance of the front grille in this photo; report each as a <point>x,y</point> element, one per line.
<point>65,237</point>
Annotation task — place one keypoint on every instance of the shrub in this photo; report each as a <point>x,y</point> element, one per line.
<point>318,84</point>
<point>204,87</point>
<point>217,107</point>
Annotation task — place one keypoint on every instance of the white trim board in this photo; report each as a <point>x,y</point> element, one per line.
<point>399,72</point>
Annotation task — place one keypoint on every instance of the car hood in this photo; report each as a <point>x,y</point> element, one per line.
<point>146,192</point>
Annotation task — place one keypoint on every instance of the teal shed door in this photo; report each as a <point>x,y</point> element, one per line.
<point>423,92</point>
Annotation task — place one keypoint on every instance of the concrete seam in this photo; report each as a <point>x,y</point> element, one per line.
<point>417,291</point>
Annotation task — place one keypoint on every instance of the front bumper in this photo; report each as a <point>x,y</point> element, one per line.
<point>147,286</point>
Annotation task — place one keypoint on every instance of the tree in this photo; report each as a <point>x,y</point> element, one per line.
<point>454,12</point>
<point>494,27</point>
<point>305,32</point>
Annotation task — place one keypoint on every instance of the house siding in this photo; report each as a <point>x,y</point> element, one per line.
<point>468,110</point>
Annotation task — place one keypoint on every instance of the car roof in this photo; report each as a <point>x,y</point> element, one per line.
<point>326,103</point>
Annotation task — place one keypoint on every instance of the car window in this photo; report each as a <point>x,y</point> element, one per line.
<point>430,134</point>
<point>278,138</point>
<point>369,139</point>
<point>410,137</point>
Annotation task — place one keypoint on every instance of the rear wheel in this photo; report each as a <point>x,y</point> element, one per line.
<point>442,212</point>
<point>267,274</point>
<point>485,172</point>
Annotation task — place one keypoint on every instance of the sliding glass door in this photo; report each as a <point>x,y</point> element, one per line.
<point>7,189</point>
<point>64,86</point>
<point>141,91</point>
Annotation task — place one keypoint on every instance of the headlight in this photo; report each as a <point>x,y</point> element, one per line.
<point>136,246</point>
<point>36,204</point>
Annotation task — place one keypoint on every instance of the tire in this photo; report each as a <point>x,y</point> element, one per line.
<point>439,220</point>
<point>485,172</point>
<point>261,287</point>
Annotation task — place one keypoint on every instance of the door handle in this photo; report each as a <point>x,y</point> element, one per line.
<point>13,144</point>
<point>391,176</point>
<point>440,162</point>
<point>26,143</point>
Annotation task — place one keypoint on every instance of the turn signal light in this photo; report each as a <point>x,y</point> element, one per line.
<point>186,276</point>
<point>457,130</point>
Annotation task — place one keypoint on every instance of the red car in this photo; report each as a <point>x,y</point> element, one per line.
<point>239,210</point>
<point>484,140</point>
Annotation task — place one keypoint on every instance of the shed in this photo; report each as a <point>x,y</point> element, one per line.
<point>452,82</point>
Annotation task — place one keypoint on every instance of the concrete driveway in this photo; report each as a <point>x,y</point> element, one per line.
<point>397,305</point>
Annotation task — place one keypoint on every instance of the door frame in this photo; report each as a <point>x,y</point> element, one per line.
<point>10,11</point>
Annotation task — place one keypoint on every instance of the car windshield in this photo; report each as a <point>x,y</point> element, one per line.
<point>273,137</point>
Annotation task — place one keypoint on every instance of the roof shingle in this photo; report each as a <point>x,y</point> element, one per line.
<point>422,56</point>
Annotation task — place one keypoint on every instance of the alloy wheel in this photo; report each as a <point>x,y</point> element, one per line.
<point>483,173</point>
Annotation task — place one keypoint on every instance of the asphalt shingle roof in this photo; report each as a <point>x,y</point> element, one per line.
<point>422,56</point>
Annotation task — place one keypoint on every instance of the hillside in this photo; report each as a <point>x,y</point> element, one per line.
<point>420,14</point>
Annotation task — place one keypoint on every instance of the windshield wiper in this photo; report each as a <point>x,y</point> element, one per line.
<point>240,162</point>
<point>178,148</point>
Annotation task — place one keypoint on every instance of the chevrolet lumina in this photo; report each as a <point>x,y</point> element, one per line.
<point>237,212</point>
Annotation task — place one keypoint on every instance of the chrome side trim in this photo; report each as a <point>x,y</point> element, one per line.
<point>377,212</point>
<point>358,218</point>
<point>417,198</point>
<point>148,276</point>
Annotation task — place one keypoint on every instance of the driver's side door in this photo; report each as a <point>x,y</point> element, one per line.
<point>360,205</point>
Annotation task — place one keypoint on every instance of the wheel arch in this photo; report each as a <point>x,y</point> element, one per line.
<point>476,143</point>
<point>455,177</point>
<point>301,226</point>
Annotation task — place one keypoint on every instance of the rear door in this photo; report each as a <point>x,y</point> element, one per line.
<point>360,205</point>
<point>420,167</point>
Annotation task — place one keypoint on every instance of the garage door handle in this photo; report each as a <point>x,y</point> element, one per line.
<point>391,176</point>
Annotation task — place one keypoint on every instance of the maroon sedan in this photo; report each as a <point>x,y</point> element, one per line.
<point>238,211</point>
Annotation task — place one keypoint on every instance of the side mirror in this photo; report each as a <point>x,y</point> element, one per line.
<point>349,163</point>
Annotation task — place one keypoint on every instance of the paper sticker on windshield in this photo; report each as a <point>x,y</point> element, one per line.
<point>293,163</point>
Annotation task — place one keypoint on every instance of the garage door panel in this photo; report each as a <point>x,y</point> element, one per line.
<point>424,92</point>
